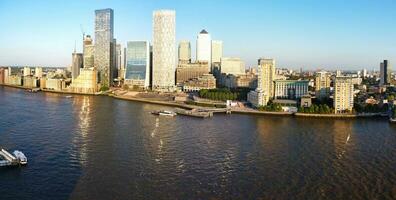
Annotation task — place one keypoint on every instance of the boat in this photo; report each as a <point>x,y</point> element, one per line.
<point>392,120</point>
<point>20,156</point>
<point>69,96</point>
<point>164,113</point>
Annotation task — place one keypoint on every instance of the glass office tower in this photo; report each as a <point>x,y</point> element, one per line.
<point>137,72</point>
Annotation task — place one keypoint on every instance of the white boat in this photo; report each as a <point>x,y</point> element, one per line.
<point>164,113</point>
<point>21,157</point>
<point>69,96</point>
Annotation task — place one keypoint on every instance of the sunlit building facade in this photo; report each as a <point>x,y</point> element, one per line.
<point>137,71</point>
<point>343,94</point>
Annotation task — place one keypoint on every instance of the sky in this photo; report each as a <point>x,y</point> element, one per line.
<point>308,34</point>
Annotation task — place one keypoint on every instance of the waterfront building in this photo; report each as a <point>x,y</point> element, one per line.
<point>138,64</point>
<point>164,50</point>
<point>86,82</point>
<point>265,83</point>
<point>104,52</point>
<point>77,63</point>
<point>118,56</point>
<point>187,71</point>
<point>385,73</point>
<point>184,52</point>
<point>56,84</point>
<point>233,66</point>
<point>322,84</point>
<point>7,74</point>
<point>27,71</point>
<point>343,94</point>
<point>30,81</point>
<point>217,52</point>
<point>290,89</point>
<point>2,75</point>
<point>14,80</point>
<point>88,51</point>
<point>206,81</point>
<point>306,101</point>
<point>38,72</point>
<point>204,48</point>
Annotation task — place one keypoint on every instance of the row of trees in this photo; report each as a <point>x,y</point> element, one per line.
<point>222,94</point>
<point>317,109</point>
<point>272,107</point>
<point>371,108</point>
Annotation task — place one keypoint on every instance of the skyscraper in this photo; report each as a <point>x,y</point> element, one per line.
<point>184,52</point>
<point>217,51</point>
<point>104,57</point>
<point>118,56</point>
<point>204,48</point>
<point>88,51</point>
<point>343,94</point>
<point>265,83</point>
<point>385,73</point>
<point>77,63</point>
<point>164,49</point>
<point>138,64</point>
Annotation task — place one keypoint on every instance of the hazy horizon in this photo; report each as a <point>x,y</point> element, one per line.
<point>307,34</point>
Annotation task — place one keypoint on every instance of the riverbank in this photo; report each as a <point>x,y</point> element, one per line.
<point>247,111</point>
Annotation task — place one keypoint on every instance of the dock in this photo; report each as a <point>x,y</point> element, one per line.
<point>8,159</point>
<point>194,113</point>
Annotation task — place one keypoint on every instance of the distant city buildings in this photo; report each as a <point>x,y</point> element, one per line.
<point>188,71</point>
<point>138,67</point>
<point>217,53</point>
<point>164,49</point>
<point>206,81</point>
<point>343,94</point>
<point>322,84</point>
<point>104,45</point>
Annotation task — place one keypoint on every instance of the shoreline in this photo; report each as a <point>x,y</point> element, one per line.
<point>185,106</point>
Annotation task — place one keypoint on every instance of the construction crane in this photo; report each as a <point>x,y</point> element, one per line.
<point>82,31</point>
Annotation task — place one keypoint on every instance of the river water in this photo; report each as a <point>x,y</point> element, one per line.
<point>94,147</point>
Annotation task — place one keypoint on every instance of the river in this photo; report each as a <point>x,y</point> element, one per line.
<point>97,147</point>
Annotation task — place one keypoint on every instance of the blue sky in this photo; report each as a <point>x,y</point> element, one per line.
<point>352,34</point>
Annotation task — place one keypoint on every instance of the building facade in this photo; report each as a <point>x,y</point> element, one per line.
<point>27,71</point>
<point>217,52</point>
<point>184,52</point>
<point>88,51</point>
<point>86,82</point>
<point>233,66</point>
<point>104,50</point>
<point>290,89</point>
<point>187,71</point>
<point>343,94</point>
<point>164,49</point>
<point>206,81</point>
<point>137,71</point>
<point>204,48</point>
<point>322,85</point>
<point>77,64</point>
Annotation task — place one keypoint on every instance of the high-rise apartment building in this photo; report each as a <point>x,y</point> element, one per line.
<point>38,72</point>
<point>27,71</point>
<point>77,63</point>
<point>217,51</point>
<point>322,84</point>
<point>118,56</point>
<point>343,94</point>
<point>88,51</point>
<point>204,48</point>
<point>385,73</point>
<point>184,52</point>
<point>104,47</point>
<point>164,49</point>
<point>138,64</point>
<point>265,83</point>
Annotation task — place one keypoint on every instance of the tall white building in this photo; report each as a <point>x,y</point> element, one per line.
<point>38,72</point>
<point>27,71</point>
<point>265,83</point>
<point>204,48</point>
<point>343,94</point>
<point>217,51</point>
<point>164,49</point>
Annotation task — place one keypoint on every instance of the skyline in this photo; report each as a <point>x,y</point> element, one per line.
<point>347,40</point>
